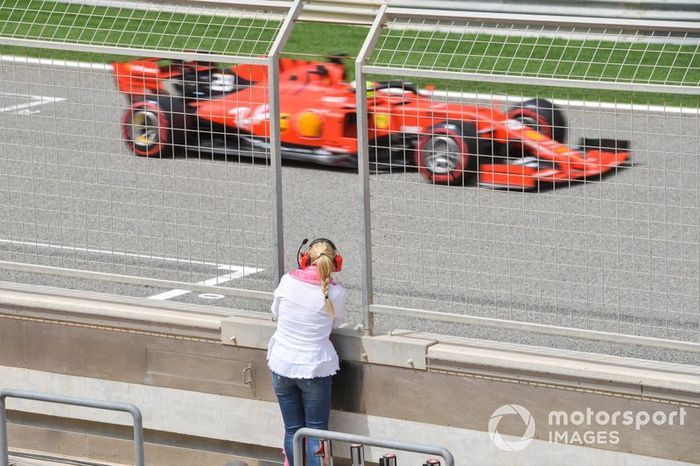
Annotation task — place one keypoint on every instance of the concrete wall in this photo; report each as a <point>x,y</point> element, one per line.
<point>191,386</point>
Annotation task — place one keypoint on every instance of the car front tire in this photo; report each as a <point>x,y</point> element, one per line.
<point>449,154</point>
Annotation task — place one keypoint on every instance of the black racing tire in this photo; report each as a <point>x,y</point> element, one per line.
<point>449,153</point>
<point>154,126</point>
<point>542,116</point>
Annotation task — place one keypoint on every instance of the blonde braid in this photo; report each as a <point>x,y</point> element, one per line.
<point>322,256</point>
<point>329,304</point>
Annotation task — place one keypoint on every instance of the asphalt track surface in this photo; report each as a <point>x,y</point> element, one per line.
<point>618,254</point>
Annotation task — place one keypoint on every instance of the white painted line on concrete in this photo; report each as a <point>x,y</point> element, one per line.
<point>55,62</point>
<point>35,101</point>
<point>168,295</point>
<point>221,279</point>
<point>236,268</point>
<point>211,296</point>
<point>235,271</point>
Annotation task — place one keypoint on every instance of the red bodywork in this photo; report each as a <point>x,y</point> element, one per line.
<point>318,120</point>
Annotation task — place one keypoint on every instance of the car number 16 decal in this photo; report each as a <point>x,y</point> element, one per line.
<point>245,117</point>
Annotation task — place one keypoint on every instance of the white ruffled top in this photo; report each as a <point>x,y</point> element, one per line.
<point>300,347</point>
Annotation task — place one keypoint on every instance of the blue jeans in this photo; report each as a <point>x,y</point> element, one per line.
<point>304,403</point>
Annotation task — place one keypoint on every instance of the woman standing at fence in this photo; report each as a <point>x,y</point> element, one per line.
<point>307,304</point>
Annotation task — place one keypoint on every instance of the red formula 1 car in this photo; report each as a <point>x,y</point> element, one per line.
<point>225,110</point>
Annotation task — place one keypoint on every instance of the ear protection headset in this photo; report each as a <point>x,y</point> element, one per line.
<point>304,260</point>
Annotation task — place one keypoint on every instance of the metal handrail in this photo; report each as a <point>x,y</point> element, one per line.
<point>305,432</point>
<point>84,402</point>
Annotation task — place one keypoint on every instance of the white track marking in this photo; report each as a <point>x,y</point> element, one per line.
<point>55,62</point>
<point>35,101</point>
<point>221,279</point>
<point>211,296</point>
<point>168,295</point>
<point>235,268</point>
<point>235,271</point>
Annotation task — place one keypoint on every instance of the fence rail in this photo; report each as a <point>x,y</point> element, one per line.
<point>363,11</point>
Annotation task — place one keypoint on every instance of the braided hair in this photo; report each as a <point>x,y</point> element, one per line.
<point>322,255</point>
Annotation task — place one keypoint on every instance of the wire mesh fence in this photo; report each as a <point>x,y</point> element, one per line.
<point>558,173</point>
<point>118,161</point>
<point>533,171</point>
<point>554,51</point>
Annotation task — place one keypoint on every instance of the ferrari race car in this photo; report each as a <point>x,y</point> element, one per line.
<point>225,110</point>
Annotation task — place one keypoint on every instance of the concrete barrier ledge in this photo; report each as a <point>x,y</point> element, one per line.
<point>586,371</point>
<point>538,365</point>
<point>350,343</point>
<point>102,310</point>
<point>407,349</point>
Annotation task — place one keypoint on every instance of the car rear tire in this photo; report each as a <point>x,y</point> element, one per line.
<point>152,127</point>
<point>542,116</point>
<point>449,154</point>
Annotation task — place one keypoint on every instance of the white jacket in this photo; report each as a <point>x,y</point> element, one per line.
<point>300,347</point>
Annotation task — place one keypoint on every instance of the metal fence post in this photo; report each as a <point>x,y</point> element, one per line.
<point>4,460</point>
<point>139,451</point>
<point>363,165</point>
<point>275,142</point>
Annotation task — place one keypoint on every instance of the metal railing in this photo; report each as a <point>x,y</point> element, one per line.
<point>83,402</point>
<point>306,432</point>
<point>363,11</point>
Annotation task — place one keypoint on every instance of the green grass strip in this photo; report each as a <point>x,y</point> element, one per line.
<point>138,29</point>
<point>543,57</point>
<point>621,61</point>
